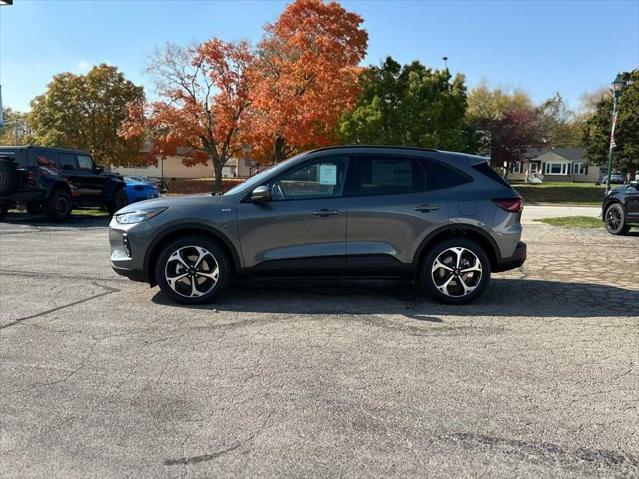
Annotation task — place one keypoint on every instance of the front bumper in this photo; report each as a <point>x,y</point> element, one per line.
<point>128,249</point>
<point>132,274</point>
<point>515,261</point>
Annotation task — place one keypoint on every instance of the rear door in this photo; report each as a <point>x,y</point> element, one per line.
<point>391,211</point>
<point>303,228</point>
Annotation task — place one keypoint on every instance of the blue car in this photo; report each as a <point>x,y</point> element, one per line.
<point>137,189</point>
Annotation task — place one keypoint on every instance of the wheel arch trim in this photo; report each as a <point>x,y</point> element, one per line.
<point>184,229</point>
<point>494,254</point>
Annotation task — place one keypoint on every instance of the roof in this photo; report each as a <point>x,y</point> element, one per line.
<point>572,154</point>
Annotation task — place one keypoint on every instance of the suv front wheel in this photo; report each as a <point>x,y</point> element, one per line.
<point>456,271</point>
<point>192,270</point>
<point>615,220</point>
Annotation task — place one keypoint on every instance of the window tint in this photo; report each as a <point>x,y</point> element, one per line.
<point>67,161</point>
<point>485,169</point>
<point>323,178</point>
<point>85,162</point>
<point>388,175</point>
<point>442,176</point>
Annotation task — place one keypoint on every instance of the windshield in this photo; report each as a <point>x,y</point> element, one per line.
<point>254,181</point>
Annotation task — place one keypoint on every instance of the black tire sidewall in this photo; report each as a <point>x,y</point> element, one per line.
<point>50,209</point>
<point>623,228</point>
<point>426,266</point>
<point>113,206</point>
<point>206,243</point>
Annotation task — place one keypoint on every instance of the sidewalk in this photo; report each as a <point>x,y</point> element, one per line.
<point>533,212</point>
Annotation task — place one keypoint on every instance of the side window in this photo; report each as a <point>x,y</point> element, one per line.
<point>67,161</point>
<point>389,175</point>
<point>322,178</point>
<point>85,162</point>
<point>441,176</point>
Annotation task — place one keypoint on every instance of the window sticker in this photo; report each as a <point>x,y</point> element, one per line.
<point>328,174</point>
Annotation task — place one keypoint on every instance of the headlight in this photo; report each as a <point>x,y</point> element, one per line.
<point>137,216</point>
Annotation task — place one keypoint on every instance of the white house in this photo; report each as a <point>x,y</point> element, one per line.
<point>555,164</point>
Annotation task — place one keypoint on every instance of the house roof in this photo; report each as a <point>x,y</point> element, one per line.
<point>572,154</point>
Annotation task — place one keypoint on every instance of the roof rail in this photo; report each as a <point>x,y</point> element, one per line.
<point>390,147</point>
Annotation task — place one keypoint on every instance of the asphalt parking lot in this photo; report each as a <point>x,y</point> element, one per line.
<point>102,377</point>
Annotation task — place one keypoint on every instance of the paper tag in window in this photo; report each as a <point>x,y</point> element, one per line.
<point>328,174</point>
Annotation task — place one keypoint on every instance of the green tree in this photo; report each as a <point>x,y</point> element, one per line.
<point>596,131</point>
<point>16,129</point>
<point>409,105</point>
<point>86,112</point>
<point>560,127</point>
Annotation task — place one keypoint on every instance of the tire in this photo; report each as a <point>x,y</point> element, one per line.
<point>212,261</point>
<point>8,177</point>
<point>440,271</point>
<point>118,202</point>
<point>58,207</point>
<point>34,208</point>
<point>615,220</point>
<point>4,209</point>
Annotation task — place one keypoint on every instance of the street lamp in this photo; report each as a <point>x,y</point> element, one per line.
<point>617,85</point>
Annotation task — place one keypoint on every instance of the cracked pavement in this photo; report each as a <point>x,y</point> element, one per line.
<point>100,376</point>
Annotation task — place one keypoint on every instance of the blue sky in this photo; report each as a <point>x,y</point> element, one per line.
<point>542,47</point>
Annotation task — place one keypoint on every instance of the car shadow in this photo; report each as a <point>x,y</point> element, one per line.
<point>504,298</point>
<point>75,221</point>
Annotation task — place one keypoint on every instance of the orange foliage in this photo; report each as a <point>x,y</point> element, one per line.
<point>204,96</point>
<point>305,77</point>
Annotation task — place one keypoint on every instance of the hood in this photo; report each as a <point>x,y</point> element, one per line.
<point>176,202</point>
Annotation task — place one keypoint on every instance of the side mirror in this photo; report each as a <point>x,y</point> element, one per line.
<point>98,168</point>
<point>261,194</point>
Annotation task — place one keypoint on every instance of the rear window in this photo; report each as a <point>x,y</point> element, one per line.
<point>441,176</point>
<point>485,169</point>
<point>15,155</point>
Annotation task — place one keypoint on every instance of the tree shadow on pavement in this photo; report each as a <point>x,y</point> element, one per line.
<point>22,220</point>
<point>503,298</point>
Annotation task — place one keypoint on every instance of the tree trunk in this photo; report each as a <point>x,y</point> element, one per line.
<point>217,173</point>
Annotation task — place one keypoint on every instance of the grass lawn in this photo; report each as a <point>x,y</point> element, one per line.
<point>573,221</point>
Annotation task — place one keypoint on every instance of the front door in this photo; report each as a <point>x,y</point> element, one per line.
<point>303,228</point>
<point>632,205</point>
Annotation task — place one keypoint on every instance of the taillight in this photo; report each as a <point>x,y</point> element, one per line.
<point>512,205</point>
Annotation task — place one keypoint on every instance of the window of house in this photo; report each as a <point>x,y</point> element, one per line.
<point>579,169</point>
<point>556,168</point>
<point>516,167</point>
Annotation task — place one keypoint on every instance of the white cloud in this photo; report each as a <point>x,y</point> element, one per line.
<point>82,66</point>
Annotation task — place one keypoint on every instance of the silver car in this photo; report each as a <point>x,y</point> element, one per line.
<point>446,219</point>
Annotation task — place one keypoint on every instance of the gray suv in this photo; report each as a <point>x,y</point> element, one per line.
<point>446,219</point>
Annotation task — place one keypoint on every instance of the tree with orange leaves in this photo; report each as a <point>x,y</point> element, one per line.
<point>306,77</point>
<point>204,96</point>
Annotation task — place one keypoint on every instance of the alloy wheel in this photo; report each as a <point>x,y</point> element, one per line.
<point>613,218</point>
<point>456,272</point>
<point>61,206</point>
<point>191,271</point>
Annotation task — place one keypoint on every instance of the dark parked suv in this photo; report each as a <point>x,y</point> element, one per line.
<point>53,181</point>
<point>620,209</point>
<point>446,219</point>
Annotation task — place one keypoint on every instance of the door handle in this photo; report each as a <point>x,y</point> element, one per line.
<point>426,208</point>
<point>326,212</point>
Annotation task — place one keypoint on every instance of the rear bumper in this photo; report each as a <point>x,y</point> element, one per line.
<point>515,261</point>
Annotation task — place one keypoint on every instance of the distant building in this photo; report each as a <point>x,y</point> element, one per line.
<point>175,168</point>
<point>555,164</point>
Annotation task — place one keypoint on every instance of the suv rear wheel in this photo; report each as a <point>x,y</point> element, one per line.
<point>192,270</point>
<point>58,206</point>
<point>456,271</point>
<point>8,177</point>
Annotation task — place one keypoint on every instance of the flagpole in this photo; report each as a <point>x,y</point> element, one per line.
<point>617,85</point>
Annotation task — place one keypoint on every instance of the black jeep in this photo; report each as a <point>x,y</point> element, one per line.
<point>53,181</point>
